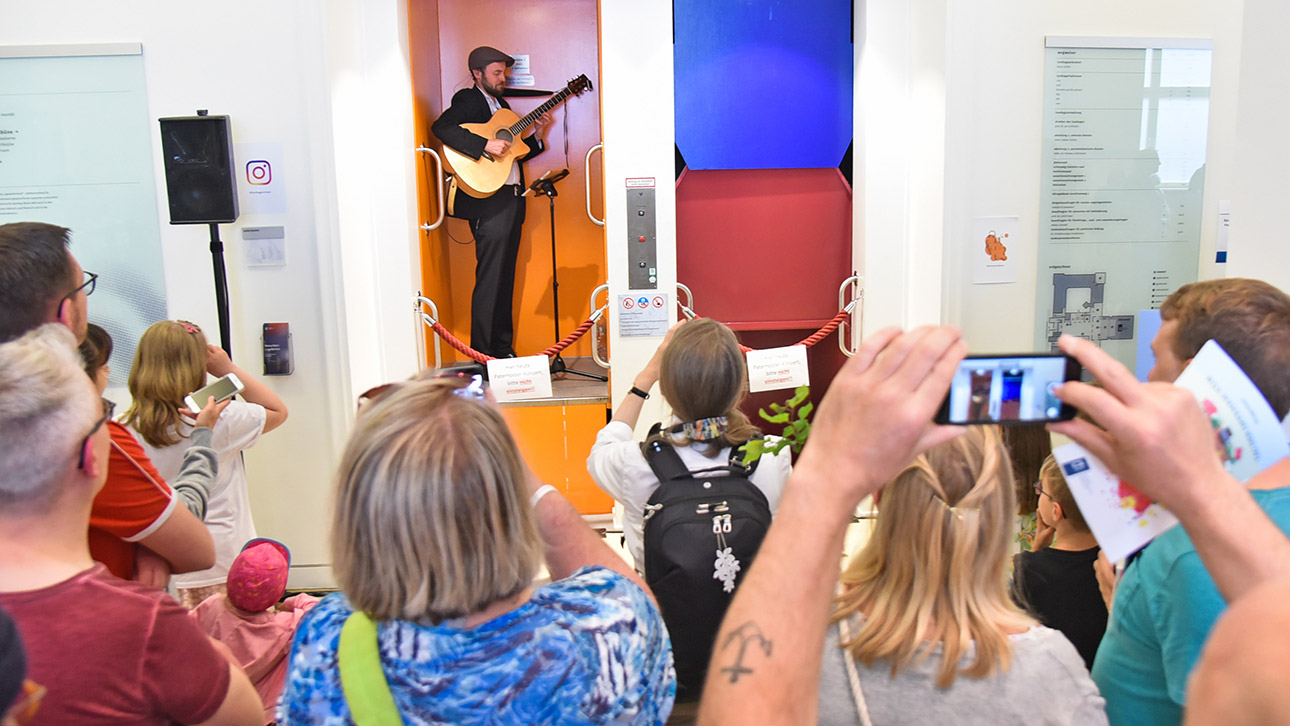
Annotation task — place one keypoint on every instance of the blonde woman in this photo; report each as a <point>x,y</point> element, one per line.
<point>924,630</point>
<point>171,361</point>
<point>438,532</point>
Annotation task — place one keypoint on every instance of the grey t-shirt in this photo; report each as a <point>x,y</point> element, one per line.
<point>1046,685</point>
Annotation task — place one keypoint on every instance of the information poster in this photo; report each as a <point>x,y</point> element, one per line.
<point>1125,124</point>
<point>76,151</point>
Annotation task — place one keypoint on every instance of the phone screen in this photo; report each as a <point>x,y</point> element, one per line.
<point>1009,389</point>
<point>220,389</point>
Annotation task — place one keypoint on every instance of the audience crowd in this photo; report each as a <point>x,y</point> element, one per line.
<point>472,592</point>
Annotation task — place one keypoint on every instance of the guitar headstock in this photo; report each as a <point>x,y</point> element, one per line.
<point>579,84</point>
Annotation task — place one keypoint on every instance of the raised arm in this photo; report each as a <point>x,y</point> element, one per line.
<point>275,411</point>
<point>629,409</point>
<point>1155,437</point>
<point>569,542</point>
<point>200,465</point>
<point>876,417</point>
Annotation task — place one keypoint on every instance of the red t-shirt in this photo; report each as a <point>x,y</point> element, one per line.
<point>133,503</point>
<point>116,652</point>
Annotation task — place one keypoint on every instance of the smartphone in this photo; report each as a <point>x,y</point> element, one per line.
<point>278,360</point>
<point>222,389</point>
<point>1009,389</point>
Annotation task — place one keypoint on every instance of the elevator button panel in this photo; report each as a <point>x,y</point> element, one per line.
<point>642,242</point>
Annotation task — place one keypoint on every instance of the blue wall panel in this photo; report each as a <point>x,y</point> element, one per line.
<point>763,84</point>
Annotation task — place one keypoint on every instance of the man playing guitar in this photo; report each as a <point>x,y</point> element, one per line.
<point>495,220</point>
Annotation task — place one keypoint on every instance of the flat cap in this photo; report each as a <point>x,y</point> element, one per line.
<point>483,55</point>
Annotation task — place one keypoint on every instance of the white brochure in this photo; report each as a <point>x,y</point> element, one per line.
<point>519,379</point>
<point>776,368</point>
<point>1247,437</point>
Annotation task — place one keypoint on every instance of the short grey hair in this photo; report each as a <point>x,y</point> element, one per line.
<point>47,406</point>
<point>432,517</point>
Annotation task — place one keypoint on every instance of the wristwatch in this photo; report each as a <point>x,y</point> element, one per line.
<point>639,392</point>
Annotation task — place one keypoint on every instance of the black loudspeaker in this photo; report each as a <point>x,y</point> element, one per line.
<point>200,180</point>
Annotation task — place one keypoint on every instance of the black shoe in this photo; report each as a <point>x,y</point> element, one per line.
<point>508,353</point>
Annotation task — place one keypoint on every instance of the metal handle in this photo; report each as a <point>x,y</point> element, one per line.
<point>429,321</point>
<point>586,180</point>
<point>595,329</point>
<point>855,284</point>
<point>438,187</point>
<point>687,307</point>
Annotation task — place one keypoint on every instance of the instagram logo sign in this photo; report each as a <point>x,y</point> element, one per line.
<point>258,172</point>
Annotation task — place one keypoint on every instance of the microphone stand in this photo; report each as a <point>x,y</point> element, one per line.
<point>546,186</point>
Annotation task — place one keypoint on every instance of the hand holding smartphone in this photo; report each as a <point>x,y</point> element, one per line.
<point>1009,389</point>
<point>222,389</point>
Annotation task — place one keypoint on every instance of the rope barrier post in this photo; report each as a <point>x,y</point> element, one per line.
<point>429,320</point>
<point>595,330</point>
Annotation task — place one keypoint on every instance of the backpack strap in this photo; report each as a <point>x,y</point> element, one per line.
<point>737,458</point>
<point>361,679</point>
<point>664,461</point>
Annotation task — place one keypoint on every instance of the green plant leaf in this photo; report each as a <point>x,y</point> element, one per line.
<point>798,396</point>
<point>779,418</point>
<point>805,411</point>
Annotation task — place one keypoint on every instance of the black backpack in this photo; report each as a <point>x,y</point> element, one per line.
<point>702,530</point>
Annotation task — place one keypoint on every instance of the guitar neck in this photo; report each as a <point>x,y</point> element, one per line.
<point>518,127</point>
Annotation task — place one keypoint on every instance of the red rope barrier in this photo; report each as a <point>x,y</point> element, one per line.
<point>813,338</point>
<point>461,347</point>
<point>582,329</point>
<point>570,338</point>
<point>475,355</point>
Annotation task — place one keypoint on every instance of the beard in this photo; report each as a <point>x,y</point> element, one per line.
<point>492,90</point>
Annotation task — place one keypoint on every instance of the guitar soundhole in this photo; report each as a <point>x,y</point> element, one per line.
<point>505,135</point>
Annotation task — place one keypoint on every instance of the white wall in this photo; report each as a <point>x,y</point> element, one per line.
<point>330,84</point>
<point>994,108</point>
<point>1258,245</point>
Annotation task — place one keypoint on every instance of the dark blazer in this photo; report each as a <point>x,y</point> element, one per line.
<point>469,107</point>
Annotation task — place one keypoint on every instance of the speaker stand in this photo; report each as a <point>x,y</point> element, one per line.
<point>546,186</point>
<point>221,289</point>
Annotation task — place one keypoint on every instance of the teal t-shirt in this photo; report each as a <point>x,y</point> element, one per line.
<point>1164,608</point>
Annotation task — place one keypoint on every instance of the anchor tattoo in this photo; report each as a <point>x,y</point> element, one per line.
<point>747,633</point>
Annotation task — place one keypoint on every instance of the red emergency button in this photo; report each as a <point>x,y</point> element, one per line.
<point>641,239</point>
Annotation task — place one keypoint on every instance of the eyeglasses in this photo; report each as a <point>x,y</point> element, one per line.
<point>91,282</point>
<point>1040,490</point>
<point>476,388</point>
<point>108,408</point>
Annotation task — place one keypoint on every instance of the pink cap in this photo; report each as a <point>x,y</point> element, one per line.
<point>258,577</point>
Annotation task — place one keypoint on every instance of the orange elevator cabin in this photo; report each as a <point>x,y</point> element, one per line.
<point>560,40</point>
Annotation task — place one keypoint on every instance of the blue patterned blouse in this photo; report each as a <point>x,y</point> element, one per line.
<point>588,649</point>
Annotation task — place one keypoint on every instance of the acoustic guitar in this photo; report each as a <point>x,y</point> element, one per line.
<point>481,177</point>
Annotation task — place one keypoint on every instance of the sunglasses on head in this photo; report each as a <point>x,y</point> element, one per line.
<point>475,388</point>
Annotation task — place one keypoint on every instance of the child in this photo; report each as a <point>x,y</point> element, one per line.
<point>247,621</point>
<point>1058,583</point>
<point>171,361</point>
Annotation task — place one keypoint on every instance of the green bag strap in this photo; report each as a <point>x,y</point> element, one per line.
<point>361,678</point>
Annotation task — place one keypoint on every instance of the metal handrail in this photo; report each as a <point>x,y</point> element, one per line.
<point>855,284</point>
<point>429,321</point>
<point>586,180</point>
<point>595,329</point>
<point>687,307</point>
<point>438,185</point>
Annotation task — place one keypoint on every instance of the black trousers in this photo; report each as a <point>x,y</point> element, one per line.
<point>497,245</point>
